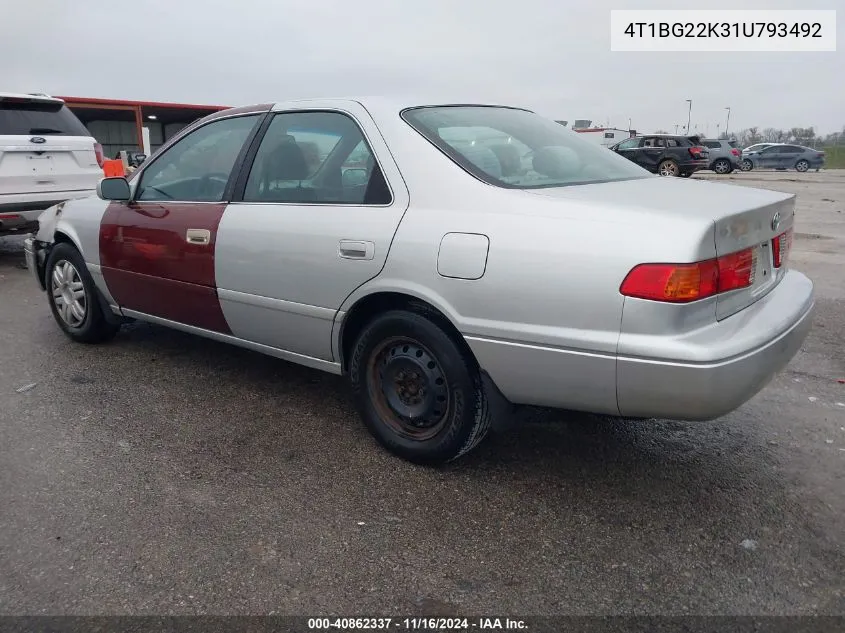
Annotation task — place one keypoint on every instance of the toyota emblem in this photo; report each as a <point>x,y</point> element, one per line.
<point>38,140</point>
<point>776,221</point>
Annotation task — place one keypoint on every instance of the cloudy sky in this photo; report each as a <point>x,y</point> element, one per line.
<point>550,55</point>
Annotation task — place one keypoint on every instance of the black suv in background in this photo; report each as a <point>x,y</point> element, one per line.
<point>665,154</point>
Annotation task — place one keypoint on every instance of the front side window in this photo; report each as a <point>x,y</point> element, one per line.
<point>630,143</point>
<point>197,167</point>
<point>537,152</point>
<point>318,158</point>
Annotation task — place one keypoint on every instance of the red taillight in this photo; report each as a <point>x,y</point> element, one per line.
<point>781,246</point>
<point>682,283</point>
<point>735,151</point>
<point>697,151</point>
<point>98,151</point>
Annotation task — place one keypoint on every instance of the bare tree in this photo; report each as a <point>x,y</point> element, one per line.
<point>661,132</point>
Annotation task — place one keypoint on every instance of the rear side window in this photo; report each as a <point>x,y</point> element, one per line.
<point>39,118</point>
<point>672,142</point>
<point>712,144</point>
<point>791,149</point>
<point>318,157</point>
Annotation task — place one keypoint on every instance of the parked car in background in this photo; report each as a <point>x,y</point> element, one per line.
<point>665,154</point>
<point>783,156</point>
<point>724,155</point>
<point>445,283</point>
<point>46,156</point>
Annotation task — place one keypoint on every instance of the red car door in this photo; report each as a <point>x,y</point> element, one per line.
<point>157,250</point>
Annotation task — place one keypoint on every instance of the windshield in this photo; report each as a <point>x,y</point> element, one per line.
<point>517,149</point>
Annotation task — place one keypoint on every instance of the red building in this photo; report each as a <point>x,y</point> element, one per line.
<point>117,124</point>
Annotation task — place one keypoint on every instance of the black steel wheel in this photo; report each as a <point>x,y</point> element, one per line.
<point>419,391</point>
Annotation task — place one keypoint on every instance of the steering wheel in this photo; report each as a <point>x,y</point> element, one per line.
<point>206,180</point>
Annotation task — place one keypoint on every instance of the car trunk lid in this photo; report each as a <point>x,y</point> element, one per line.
<point>738,219</point>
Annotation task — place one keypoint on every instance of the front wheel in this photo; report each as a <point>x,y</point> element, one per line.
<point>668,167</point>
<point>418,392</point>
<point>802,165</point>
<point>73,297</point>
<point>746,165</point>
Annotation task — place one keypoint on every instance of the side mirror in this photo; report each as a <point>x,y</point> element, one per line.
<point>113,189</point>
<point>353,177</point>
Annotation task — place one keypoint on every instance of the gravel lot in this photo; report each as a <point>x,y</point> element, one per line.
<point>163,473</point>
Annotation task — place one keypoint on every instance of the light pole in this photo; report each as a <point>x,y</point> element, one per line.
<point>689,114</point>
<point>676,128</point>
<point>728,108</point>
<point>629,124</point>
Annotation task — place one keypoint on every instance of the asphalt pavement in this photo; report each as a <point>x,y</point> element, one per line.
<point>167,474</point>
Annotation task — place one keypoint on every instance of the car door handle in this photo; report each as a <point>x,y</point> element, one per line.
<point>352,249</point>
<point>198,236</point>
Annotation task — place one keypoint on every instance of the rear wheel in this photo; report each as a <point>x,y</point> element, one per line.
<point>746,165</point>
<point>722,166</point>
<point>418,392</point>
<point>73,297</point>
<point>668,167</point>
<point>802,165</point>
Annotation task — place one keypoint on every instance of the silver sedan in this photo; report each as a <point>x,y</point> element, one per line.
<point>450,260</point>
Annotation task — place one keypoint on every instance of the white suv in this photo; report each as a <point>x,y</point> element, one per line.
<point>46,156</point>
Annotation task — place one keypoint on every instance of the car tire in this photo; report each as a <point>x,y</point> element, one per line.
<point>668,167</point>
<point>746,165</point>
<point>74,298</point>
<point>802,165</point>
<point>418,391</point>
<point>722,166</point>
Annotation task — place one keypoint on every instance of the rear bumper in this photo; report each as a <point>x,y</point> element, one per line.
<point>19,212</point>
<point>694,166</point>
<point>734,359</point>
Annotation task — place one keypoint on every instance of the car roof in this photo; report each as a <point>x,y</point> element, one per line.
<point>30,97</point>
<point>396,103</point>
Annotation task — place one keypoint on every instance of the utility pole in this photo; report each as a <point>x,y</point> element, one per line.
<point>676,128</point>
<point>689,114</point>
<point>728,108</point>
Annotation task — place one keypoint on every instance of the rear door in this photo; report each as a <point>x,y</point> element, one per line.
<point>157,251</point>
<point>312,218</point>
<point>44,148</point>
<point>789,155</point>
<point>651,152</point>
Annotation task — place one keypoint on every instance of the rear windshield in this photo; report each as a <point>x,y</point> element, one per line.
<point>733,144</point>
<point>517,149</point>
<point>43,119</point>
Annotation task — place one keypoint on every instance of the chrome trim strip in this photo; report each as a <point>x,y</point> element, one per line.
<point>260,301</point>
<point>300,359</point>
